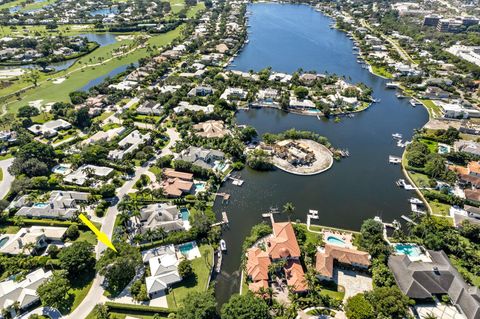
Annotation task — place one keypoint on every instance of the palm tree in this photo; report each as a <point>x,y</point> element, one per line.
<point>160,232</point>
<point>430,316</point>
<point>150,235</point>
<point>288,208</point>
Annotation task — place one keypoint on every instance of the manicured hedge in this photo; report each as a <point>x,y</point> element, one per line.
<point>50,222</point>
<point>140,308</point>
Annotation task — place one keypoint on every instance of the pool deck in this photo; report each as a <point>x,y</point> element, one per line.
<point>346,237</point>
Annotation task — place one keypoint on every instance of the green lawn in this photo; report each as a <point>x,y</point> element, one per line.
<point>80,290</point>
<point>202,268</point>
<point>102,116</point>
<point>381,71</point>
<point>433,109</point>
<point>42,118</point>
<point>155,170</point>
<point>87,236</point>
<point>1,174</point>
<point>9,229</point>
<point>440,208</point>
<point>432,145</point>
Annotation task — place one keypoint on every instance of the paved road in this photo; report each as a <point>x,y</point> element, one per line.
<point>7,177</point>
<point>52,313</point>
<point>95,294</point>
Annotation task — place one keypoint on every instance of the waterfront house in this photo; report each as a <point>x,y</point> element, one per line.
<point>61,205</point>
<point>301,104</point>
<point>176,184</point>
<point>281,245</point>
<point>210,129</point>
<point>327,256</point>
<point>423,280</point>
<point>31,240</point>
<point>267,96</point>
<point>258,263</point>
<point>184,106</point>
<point>129,144</point>
<point>24,292</point>
<point>234,94</point>
<point>163,271</point>
<point>159,215</point>
<point>202,157</point>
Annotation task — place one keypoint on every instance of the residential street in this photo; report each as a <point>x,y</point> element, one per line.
<point>95,293</point>
<point>7,177</point>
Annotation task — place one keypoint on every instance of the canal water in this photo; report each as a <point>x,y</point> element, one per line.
<point>288,37</point>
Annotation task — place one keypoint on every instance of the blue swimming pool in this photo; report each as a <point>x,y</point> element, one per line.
<point>185,248</point>
<point>335,241</point>
<point>3,241</point>
<point>199,187</point>
<point>411,250</point>
<point>185,213</point>
<point>40,205</point>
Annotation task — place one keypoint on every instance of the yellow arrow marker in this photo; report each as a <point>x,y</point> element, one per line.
<point>100,235</point>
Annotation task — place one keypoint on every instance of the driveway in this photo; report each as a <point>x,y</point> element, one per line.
<point>353,282</point>
<point>7,177</point>
<point>95,294</point>
<point>45,311</point>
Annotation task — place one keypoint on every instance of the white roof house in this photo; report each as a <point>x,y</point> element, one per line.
<point>164,272</point>
<point>61,205</point>
<point>104,136</point>
<point>37,235</point>
<point>50,128</point>
<point>129,145</point>
<point>23,292</point>
<point>79,176</point>
<point>183,106</point>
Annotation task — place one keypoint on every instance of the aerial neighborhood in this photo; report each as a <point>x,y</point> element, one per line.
<point>174,159</point>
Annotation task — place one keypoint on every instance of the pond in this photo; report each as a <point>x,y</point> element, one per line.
<point>102,39</point>
<point>288,37</point>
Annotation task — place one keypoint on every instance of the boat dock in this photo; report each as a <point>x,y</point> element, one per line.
<point>403,184</point>
<point>408,219</point>
<point>224,220</point>
<point>394,159</point>
<point>226,197</point>
<point>218,265</point>
<point>236,181</point>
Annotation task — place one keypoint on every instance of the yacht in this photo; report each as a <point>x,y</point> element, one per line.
<point>223,245</point>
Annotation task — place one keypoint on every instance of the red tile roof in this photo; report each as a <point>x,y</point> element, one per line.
<point>295,276</point>
<point>284,242</point>
<point>324,262</point>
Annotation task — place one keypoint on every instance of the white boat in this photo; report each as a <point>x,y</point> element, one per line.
<point>391,85</point>
<point>223,245</point>
<point>397,136</point>
<point>414,102</point>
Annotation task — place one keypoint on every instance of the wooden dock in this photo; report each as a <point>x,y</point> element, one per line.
<point>224,220</point>
<point>408,219</point>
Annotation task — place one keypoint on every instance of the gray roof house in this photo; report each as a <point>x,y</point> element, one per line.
<point>149,108</point>
<point>422,280</point>
<point>202,157</point>
<point>160,216</point>
<point>164,272</point>
<point>60,205</point>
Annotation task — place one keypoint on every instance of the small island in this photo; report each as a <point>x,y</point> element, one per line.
<point>301,157</point>
<point>295,152</point>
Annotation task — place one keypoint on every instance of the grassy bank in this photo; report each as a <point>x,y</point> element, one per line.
<point>202,267</point>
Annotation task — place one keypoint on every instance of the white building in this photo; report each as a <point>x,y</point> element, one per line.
<point>24,292</point>
<point>50,128</point>
<point>82,173</point>
<point>164,272</point>
<point>129,145</point>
